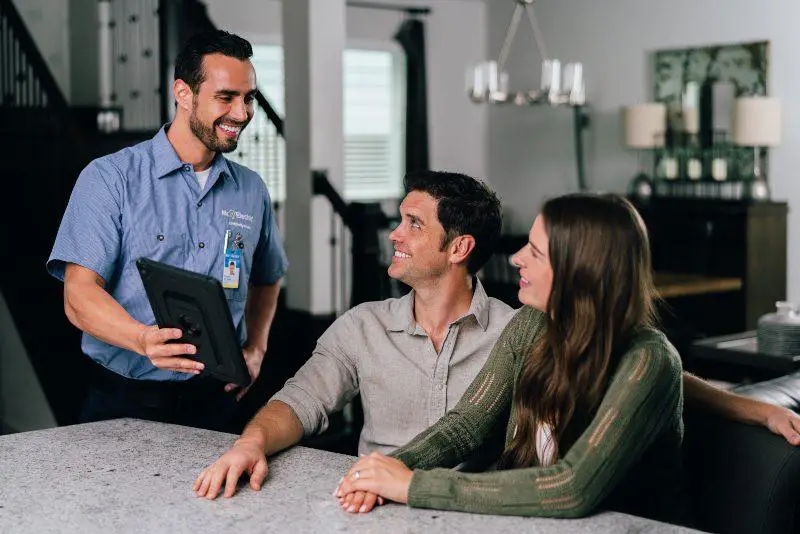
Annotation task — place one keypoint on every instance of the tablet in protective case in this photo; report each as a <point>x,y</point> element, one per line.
<point>196,304</point>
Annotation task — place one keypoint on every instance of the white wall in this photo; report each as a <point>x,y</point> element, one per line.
<point>456,36</point>
<point>48,23</point>
<point>531,150</point>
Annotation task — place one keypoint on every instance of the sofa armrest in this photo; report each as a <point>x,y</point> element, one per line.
<point>741,478</point>
<point>783,391</point>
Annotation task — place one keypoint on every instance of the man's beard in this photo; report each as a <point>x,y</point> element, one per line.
<point>208,134</point>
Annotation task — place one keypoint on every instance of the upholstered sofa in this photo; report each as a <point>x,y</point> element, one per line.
<point>743,478</point>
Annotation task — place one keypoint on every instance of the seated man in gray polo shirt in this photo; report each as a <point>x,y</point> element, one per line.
<point>412,358</point>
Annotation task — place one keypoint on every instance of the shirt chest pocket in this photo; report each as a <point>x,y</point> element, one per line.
<point>164,246</point>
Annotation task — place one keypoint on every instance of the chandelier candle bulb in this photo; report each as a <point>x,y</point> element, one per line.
<point>573,82</point>
<point>551,76</point>
<point>500,95</point>
<point>491,76</point>
<point>546,74</point>
<point>476,83</point>
<point>555,79</point>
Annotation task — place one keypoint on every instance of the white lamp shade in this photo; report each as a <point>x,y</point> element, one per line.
<point>757,121</point>
<point>645,125</point>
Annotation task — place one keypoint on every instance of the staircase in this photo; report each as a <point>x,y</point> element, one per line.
<point>45,146</point>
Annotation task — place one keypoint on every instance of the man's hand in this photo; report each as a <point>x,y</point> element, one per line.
<point>783,422</point>
<point>244,455</point>
<point>154,344</point>
<point>376,474</point>
<point>253,358</point>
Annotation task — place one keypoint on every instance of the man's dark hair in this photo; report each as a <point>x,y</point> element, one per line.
<point>464,205</point>
<point>189,63</point>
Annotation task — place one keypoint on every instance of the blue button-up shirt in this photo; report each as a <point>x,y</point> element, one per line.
<point>143,201</point>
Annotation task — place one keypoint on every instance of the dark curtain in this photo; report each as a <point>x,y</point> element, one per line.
<point>411,36</point>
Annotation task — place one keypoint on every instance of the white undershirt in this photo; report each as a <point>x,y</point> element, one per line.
<point>202,177</point>
<point>545,446</point>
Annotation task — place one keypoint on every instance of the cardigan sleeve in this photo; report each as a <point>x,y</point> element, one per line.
<point>641,401</point>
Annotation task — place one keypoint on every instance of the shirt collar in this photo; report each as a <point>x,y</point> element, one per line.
<point>479,308</point>
<point>166,160</point>
<point>404,319</point>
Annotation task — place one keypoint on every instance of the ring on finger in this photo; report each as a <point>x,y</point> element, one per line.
<point>357,475</point>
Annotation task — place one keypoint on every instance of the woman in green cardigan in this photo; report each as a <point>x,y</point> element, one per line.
<point>586,391</point>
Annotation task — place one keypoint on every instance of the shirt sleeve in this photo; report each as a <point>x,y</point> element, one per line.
<point>90,231</point>
<point>643,399</point>
<point>482,409</point>
<point>269,258</point>
<point>328,380</point>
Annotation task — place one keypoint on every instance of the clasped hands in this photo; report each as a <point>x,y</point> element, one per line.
<point>372,479</point>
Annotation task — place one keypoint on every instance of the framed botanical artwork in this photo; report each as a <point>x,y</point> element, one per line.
<point>745,66</point>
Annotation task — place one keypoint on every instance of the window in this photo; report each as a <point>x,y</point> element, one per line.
<point>373,124</point>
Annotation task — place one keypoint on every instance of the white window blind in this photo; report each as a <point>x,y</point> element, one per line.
<point>373,124</point>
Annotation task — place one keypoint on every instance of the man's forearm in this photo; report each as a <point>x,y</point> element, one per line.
<point>91,309</point>
<point>275,427</point>
<point>700,394</point>
<point>259,313</point>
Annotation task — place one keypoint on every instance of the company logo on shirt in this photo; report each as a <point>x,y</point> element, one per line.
<point>237,215</point>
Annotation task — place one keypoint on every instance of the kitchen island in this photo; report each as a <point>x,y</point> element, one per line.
<point>129,475</point>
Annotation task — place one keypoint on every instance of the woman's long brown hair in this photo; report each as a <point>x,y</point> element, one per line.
<point>602,294</point>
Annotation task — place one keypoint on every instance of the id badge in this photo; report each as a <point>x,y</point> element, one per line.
<point>232,265</point>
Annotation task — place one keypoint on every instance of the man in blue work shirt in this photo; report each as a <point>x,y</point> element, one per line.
<point>174,199</point>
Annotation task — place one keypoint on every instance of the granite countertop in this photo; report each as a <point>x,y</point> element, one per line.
<point>129,475</point>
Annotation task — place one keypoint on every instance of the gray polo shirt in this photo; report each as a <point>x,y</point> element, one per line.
<point>379,350</point>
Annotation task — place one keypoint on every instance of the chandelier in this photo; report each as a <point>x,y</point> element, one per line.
<point>488,81</point>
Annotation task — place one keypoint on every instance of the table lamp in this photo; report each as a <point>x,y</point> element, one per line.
<point>757,124</point>
<point>645,126</point>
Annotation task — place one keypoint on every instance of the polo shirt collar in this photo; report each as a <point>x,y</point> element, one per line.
<point>404,320</point>
<point>166,160</point>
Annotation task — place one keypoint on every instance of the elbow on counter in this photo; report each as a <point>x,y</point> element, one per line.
<point>576,501</point>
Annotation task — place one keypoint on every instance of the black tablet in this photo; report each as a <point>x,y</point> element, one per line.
<point>196,304</point>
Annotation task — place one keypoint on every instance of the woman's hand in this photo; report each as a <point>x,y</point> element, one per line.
<point>374,474</point>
